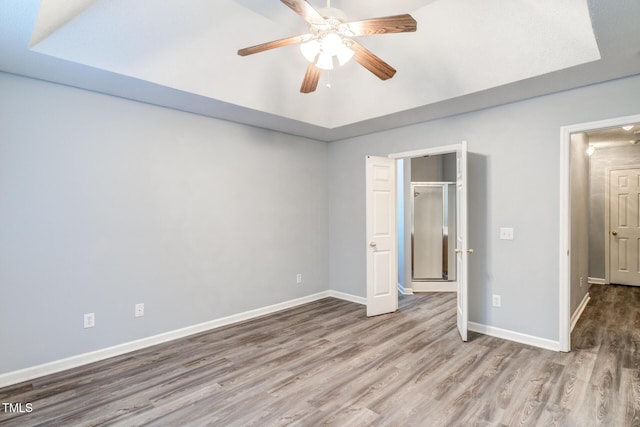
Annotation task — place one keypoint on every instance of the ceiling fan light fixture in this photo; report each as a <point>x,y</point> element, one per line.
<point>327,46</point>
<point>330,35</point>
<point>331,43</point>
<point>627,128</point>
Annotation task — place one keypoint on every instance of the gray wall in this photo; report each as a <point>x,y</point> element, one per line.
<point>579,206</point>
<point>440,168</point>
<point>600,160</point>
<point>426,169</point>
<point>513,181</point>
<point>106,202</point>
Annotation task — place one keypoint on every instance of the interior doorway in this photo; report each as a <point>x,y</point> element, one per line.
<point>585,231</point>
<point>381,222</point>
<point>427,203</point>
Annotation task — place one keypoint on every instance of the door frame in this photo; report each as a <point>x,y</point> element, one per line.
<point>433,151</point>
<point>564,288</point>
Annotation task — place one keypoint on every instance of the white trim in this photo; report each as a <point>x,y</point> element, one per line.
<point>607,225</point>
<point>515,336</point>
<point>440,286</point>
<point>348,297</point>
<point>444,149</point>
<point>564,295</point>
<point>596,281</point>
<point>404,291</point>
<point>564,299</point>
<point>576,314</point>
<point>30,373</point>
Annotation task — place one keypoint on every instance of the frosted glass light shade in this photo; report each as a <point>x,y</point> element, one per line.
<point>331,44</point>
<point>344,54</point>
<point>310,49</point>
<point>325,61</point>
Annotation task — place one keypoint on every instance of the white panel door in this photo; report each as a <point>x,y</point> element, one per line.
<point>382,287</point>
<point>624,227</point>
<point>462,249</point>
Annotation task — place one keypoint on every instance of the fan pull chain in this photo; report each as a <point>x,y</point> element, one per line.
<point>328,84</point>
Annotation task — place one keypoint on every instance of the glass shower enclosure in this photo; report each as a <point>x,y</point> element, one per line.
<point>433,231</point>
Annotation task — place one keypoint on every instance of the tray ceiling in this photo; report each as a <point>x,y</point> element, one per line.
<point>465,55</point>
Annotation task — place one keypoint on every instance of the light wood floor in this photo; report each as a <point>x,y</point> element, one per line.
<point>325,363</point>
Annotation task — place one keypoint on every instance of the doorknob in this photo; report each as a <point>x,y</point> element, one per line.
<point>615,233</point>
<point>372,244</point>
<point>458,251</point>
<point>470,251</point>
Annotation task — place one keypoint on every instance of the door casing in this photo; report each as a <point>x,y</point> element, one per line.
<point>446,149</point>
<point>564,287</point>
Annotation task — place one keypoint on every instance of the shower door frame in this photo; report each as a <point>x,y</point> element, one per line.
<point>444,185</point>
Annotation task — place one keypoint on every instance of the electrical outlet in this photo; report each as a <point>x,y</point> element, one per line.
<point>89,320</point>
<point>139,310</point>
<point>299,278</point>
<point>497,301</point>
<point>506,233</point>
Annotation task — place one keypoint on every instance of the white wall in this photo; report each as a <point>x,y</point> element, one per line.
<point>513,182</point>
<point>106,202</point>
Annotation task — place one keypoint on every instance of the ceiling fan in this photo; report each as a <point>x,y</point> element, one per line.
<point>330,37</point>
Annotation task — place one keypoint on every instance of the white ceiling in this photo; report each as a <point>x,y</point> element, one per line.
<point>465,55</point>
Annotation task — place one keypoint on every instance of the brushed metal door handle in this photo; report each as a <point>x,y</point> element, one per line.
<point>615,233</point>
<point>372,244</point>
<point>470,251</point>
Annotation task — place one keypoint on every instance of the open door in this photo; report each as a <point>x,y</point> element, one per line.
<point>462,249</point>
<point>624,226</point>
<point>382,260</point>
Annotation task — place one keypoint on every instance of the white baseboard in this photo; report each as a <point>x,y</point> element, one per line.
<point>348,297</point>
<point>438,286</point>
<point>596,281</point>
<point>404,291</point>
<point>514,336</point>
<point>576,314</point>
<point>30,373</point>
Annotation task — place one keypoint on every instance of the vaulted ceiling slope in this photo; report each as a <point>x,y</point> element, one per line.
<point>465,55</point>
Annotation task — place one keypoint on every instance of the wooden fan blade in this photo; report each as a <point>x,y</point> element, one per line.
<point>304,9</point>
<point>269,45</point>
<point>389,24</point>
<point>368,60</point>
<point>311,78</point>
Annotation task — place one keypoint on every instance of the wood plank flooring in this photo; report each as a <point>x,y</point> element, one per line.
<point>326,363</point>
